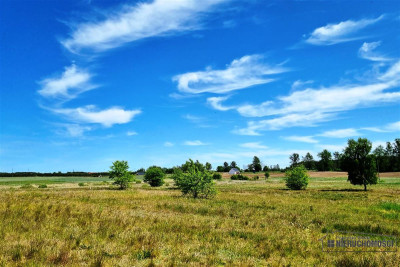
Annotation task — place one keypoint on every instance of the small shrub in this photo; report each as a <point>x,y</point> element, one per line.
<point>43,186</point>
<point>297,178</point>
<point>81,184</point>
<point>266,174</point>
<point>138,182</point>
<point>239,177</point>
<point>26,186</point>
<point>195,182</point>
<point>154,176</point>
<point>256,177</point>
<point>217,176</point>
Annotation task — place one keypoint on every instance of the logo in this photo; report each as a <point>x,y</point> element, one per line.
<point>341,241</point>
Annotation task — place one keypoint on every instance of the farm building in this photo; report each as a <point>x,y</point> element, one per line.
<point>234,171</point>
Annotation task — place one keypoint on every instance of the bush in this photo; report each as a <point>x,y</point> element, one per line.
<point>195,182</point>
<point>217,176</point>
<point>43,186</point>
<point>154,176</point>
<point>256,177</point>
<point>266,174</point>
<point>27,186</point>
<point>239,177</point>
<point>81,184</point>
<point>297,178</point>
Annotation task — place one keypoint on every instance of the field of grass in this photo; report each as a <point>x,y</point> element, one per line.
<point>249,223</point>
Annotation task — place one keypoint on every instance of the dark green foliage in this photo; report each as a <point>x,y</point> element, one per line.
<point>297,178</point>
<point>256,164</point>
<point>196,181</point>
<point>325,164</point>
<point>359,164</point>
<point>154,176</point>
<point>43,186</point>
<point>256,177</point>
<point>239,177</point>
<point>294,159</point>
<point>308,161</point>
<point>81,184</point>
<point>266,174</point>
<point>120,174</point>
<point>217,176</point>
<point>208,166</point>
<point>265,169</point>
<point>220,169</point>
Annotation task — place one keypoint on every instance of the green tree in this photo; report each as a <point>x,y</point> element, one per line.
<point>326,160</point>
<point>120,174</point>
<point>208,166</point>
<point>308,161</point>
<point>265,168</point>
<point>154,176</point>
<point>337,161</point>
<point>294,159</point>
<point>379,154</point>
<point>359,164</point>
<point>226,167</point>
<point>195,182</point>
<point>297,178</point>
<point>233,164</point>
<point>256,164</point>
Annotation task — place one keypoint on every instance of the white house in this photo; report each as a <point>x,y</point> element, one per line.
<point>234,171</point>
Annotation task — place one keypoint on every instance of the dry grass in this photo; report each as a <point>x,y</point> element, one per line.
<point>249,223</point>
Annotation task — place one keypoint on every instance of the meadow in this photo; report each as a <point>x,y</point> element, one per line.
<point>248,223</point>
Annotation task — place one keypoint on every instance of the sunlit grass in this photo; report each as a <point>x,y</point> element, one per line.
<point>249,223</point>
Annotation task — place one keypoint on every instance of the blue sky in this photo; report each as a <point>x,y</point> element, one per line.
<point>84,83</point>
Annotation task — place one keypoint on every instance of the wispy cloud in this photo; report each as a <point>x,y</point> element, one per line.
<point>194,143</point>
<point>74,130</point>
<point>139,21</point>
<point>241,73</point>
<point>340,32</point>
<point>131,133</point>
<point>304,139</point>
<point>341,133</point>
<point>168,144</point>
<point>367,51</point>
<point>391,127</point>
<point>90,114</point>
<point>253,145</point>
<point>72,82</point>
<point>215,102</point>
<point>309,107</point>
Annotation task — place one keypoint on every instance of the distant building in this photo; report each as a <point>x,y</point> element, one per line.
<point>234,171</point>
<point>140,173</point>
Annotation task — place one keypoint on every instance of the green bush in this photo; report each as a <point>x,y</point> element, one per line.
<point>239,177</point>
<point>266,174</point>
<point>43,186</point>
<point>195,182</point>
<point>27,186</point>
<point>81,184</point>
<point>297,178</point>
<point>154,176</point>
<point>256,177</point>
<point>138,182</point>
<point>217,176</point>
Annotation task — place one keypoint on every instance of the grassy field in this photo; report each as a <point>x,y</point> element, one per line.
<point>249,223</point>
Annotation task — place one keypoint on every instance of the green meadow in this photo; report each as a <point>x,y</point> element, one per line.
<point>248,223</point>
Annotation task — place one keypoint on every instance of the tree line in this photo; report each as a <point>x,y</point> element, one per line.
<point>387,159</point>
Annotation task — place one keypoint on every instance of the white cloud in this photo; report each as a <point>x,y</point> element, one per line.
<point>168,144</point>
<point>332,148</point>
<point>299,83</point>
<point>75,130</point>
<point>106,117</point>
<point>254,145</point>
<point>341,133</point>
<point>340,32</point>
<point>215,102</point>
<point>139,21</point>
<point>366,51</point>
<point>131,133</point>
<point>194,143</point>
<point>304,139</point>
<point>71,83</point>
<point>391,127</point>
<point>241,73</point>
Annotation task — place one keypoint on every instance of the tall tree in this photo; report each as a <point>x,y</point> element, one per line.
<point>294,159</point>
<point>257,164</point>
<point>233,164</point>
<point>379,154</point>
<point>226,167</point>
<point>359,164</point>
<point>337,164</point>
<point>308,161</point>
<point>208,166</point>
<point>326,160</point>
